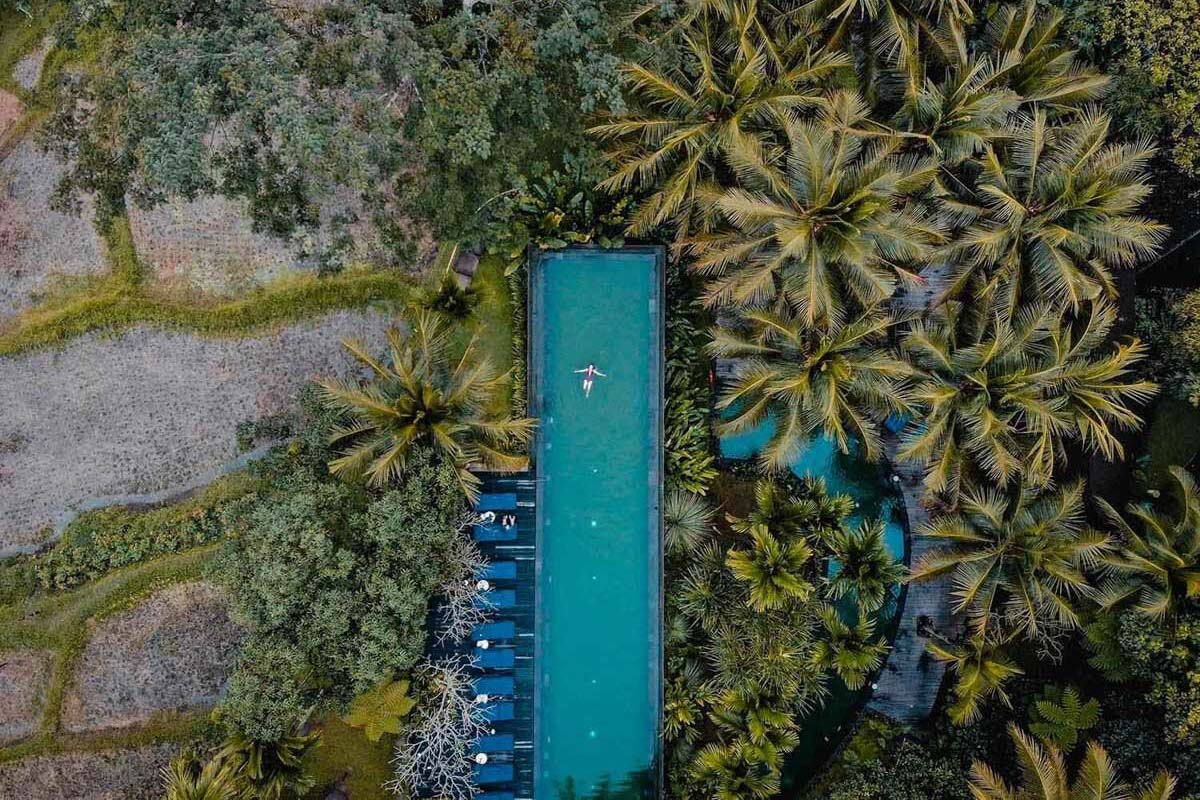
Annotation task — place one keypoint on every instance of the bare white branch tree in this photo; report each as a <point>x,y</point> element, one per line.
<point>433,756</point>
<point>463,605</point>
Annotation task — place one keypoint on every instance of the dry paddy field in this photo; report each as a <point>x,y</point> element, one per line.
<point>106,775</point>
<point>172,651</point>
<point>146,411</point>
<point>53,245</point>
<point>24,675</point>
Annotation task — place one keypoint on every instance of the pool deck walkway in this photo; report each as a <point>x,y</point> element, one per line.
<point>908,684</point>
<point>521,551</point>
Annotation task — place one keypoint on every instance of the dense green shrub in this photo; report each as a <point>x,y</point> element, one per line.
<point>518,378</point>
<point>1151,50</point>
<point>1169,321</point>
<point>1135,739</point>
<point>752,640</point>
<point>688,439</point>
<point>1165,657</point>
<point>100,541</point>
<point>557,210</point>
<point>419,110</point>
<point>905,771</point>
<point>334,583</point>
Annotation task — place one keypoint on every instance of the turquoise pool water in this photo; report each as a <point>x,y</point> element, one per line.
<point>598,653</point>
<point>849,474</point>
<point>869,486</point>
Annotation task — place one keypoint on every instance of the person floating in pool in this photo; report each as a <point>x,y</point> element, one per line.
<point>589,373</point>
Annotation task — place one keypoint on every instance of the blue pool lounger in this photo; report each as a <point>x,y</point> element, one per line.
<point>498,712</point>
<point>498,571</point>
<point>497,743</point>
<point>493,773</point>
<point>495,686</point>
<point>497,501</point>
<point>497,598</point>
<point>495,659</point>
<point>495,631</point>
<point>494,532</point>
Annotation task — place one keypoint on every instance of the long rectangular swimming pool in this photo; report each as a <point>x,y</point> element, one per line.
<point>598,652</point>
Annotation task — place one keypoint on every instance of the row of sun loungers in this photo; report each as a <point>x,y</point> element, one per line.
<point>496,686</point>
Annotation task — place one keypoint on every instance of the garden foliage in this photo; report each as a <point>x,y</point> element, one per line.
<point>334,583</point>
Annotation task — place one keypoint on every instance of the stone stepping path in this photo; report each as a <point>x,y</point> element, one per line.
<point>105,775</point>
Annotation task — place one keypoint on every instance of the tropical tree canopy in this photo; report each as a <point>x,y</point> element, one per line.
<point>1044,776</point>
<point>999,397</point>
<point>850,649</point>
<point>807,383</point>
<point>422,397</point>
<point>1157,561</point>
<point>830,236</point>
<point>865,570</point>
<point>717,111</point>
<point>1054,210</point>
<point>1020,561</point>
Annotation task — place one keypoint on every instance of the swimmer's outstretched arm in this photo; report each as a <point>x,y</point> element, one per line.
<point>601,374</point>
<point>580,370</point>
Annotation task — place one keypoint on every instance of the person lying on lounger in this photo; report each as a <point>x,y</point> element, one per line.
<point>589,374</point>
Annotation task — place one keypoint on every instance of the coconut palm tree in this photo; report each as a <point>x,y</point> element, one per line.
<point>184,779</point>
<point>1057,211</point>
<point>865,568</point>
<point>734,771</point>
<point>1044,776</point>
<point>1157,563</point>
<point>831,239</point>
<point>850,650</point>
<point>981,666</point>
<point>962,113</point>
<point>1000,396</point>
<point>964,100</point>
<point>687,521</point>
<point>838,384</point>
<point>773,570</point>
<point>718,111</point>
<point>1031,51</point>
<point>895,36</point>
<point>269,770</point>
<point>422,397</point>
<point>1019,561</point>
